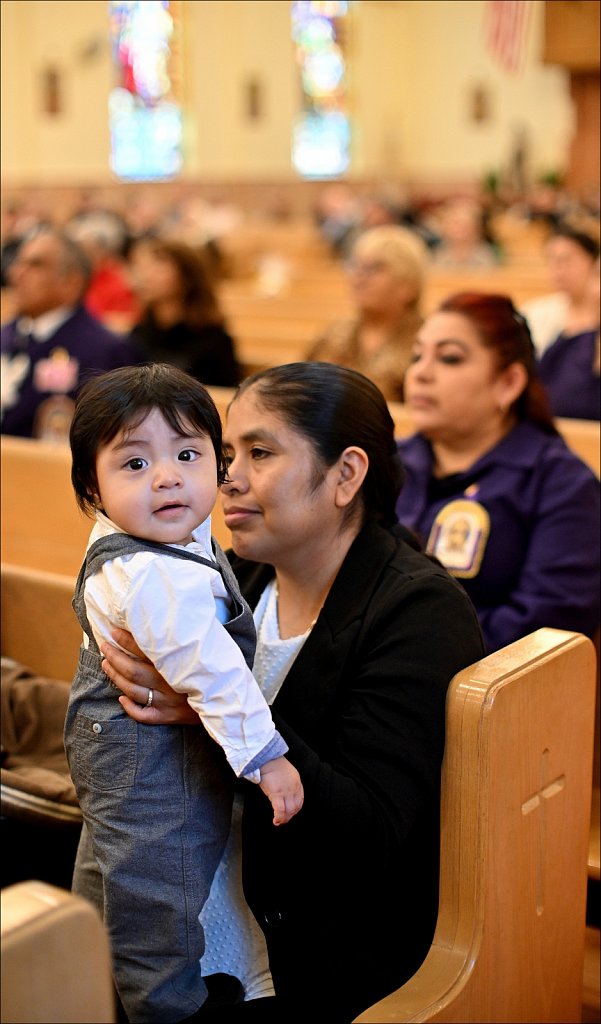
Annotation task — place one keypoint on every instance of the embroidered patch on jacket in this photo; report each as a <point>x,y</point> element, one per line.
<point>58,373</point>
<point>458,537</point>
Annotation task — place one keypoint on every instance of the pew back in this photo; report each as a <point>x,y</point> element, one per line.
<point>516,793</point>
<point>42,527</point>
<point>41,524</point>
<point>39,628</point>
<point>56,964</point>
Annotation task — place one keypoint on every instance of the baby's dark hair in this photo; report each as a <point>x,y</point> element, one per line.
<point>122,399</point>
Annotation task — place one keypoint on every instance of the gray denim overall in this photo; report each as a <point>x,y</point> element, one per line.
<point>156,801</point>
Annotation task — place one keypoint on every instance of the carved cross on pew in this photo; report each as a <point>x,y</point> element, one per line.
<point>545,792</point>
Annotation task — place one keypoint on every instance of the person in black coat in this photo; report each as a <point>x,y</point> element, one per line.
<point>181,322</point>
<point>359,635</point>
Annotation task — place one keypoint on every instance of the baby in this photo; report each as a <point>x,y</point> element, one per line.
<point>147,462</point>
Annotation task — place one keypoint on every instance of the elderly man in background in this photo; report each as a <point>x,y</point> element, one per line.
<point>54,344</point>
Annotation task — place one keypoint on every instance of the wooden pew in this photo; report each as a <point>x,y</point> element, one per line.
<point>39,628</point>
<point>41,525</point>
<point>583,437</point>
<point>275,328</point>
<point>56,963</point>
<point>516,791</point>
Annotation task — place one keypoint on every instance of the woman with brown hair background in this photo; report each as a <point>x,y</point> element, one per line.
<point>181,322</point>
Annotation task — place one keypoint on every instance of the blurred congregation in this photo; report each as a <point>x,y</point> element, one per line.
<point>444,244</point>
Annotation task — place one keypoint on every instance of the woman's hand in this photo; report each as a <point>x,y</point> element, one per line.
<point>136,678</point>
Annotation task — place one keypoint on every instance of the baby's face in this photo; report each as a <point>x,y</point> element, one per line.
<point>155,484</point>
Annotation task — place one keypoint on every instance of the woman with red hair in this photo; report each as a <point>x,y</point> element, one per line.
<point>492,490</point>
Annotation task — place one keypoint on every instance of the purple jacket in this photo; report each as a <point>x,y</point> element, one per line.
<point>535,554</point>
<point>86,346</point>
<point>566,370</point>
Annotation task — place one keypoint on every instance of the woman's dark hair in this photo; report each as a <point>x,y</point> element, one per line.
<point>333,408</point>
<point>504,330</point>
<point>201,305</point>
<point>120,400</point>
<point>586,242</point>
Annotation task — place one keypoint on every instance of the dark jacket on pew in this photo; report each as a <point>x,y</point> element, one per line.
<point>206,352</point>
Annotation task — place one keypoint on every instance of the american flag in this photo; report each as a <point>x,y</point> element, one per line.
<point>506,25</point>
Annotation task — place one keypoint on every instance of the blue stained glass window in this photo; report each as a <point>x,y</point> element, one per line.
<point>321,135</point>
<point>145,118</point>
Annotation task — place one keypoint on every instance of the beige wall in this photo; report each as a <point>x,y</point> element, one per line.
<point>448,60</point>
<point>74,145</point>
<point>227,44</point>
<point>414,65</point>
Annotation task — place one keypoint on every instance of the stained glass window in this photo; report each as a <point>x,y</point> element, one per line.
<point>321,136</point>
<point>145,118</point>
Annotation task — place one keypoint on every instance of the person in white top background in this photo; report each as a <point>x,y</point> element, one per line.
<point>147,462</point>
<point>572,307</point>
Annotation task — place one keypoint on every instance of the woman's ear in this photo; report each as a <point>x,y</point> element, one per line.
<point>351,471</point>
<point>511,382</point>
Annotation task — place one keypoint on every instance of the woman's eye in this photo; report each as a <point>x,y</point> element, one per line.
<point>135,464</point>
<point>451,359</point>
<point>258,453</point>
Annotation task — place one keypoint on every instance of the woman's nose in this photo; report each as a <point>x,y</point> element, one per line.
<point>421,368</point>
<point>235,481</point>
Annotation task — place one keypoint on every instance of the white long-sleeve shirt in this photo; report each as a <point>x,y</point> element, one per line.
<point>175,609</point>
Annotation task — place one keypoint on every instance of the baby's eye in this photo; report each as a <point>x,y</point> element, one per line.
<point>135,463</point>
<point>188,455</point>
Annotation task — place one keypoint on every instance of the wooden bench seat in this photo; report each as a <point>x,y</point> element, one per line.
<point>516,790</point>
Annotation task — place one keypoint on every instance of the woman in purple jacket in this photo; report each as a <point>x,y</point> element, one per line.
<point>492,490</point>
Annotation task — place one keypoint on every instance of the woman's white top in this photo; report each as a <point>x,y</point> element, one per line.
<point>546,318</point>
<point>234,942</point>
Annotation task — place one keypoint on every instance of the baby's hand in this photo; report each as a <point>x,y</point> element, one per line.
<point>282,785</point>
